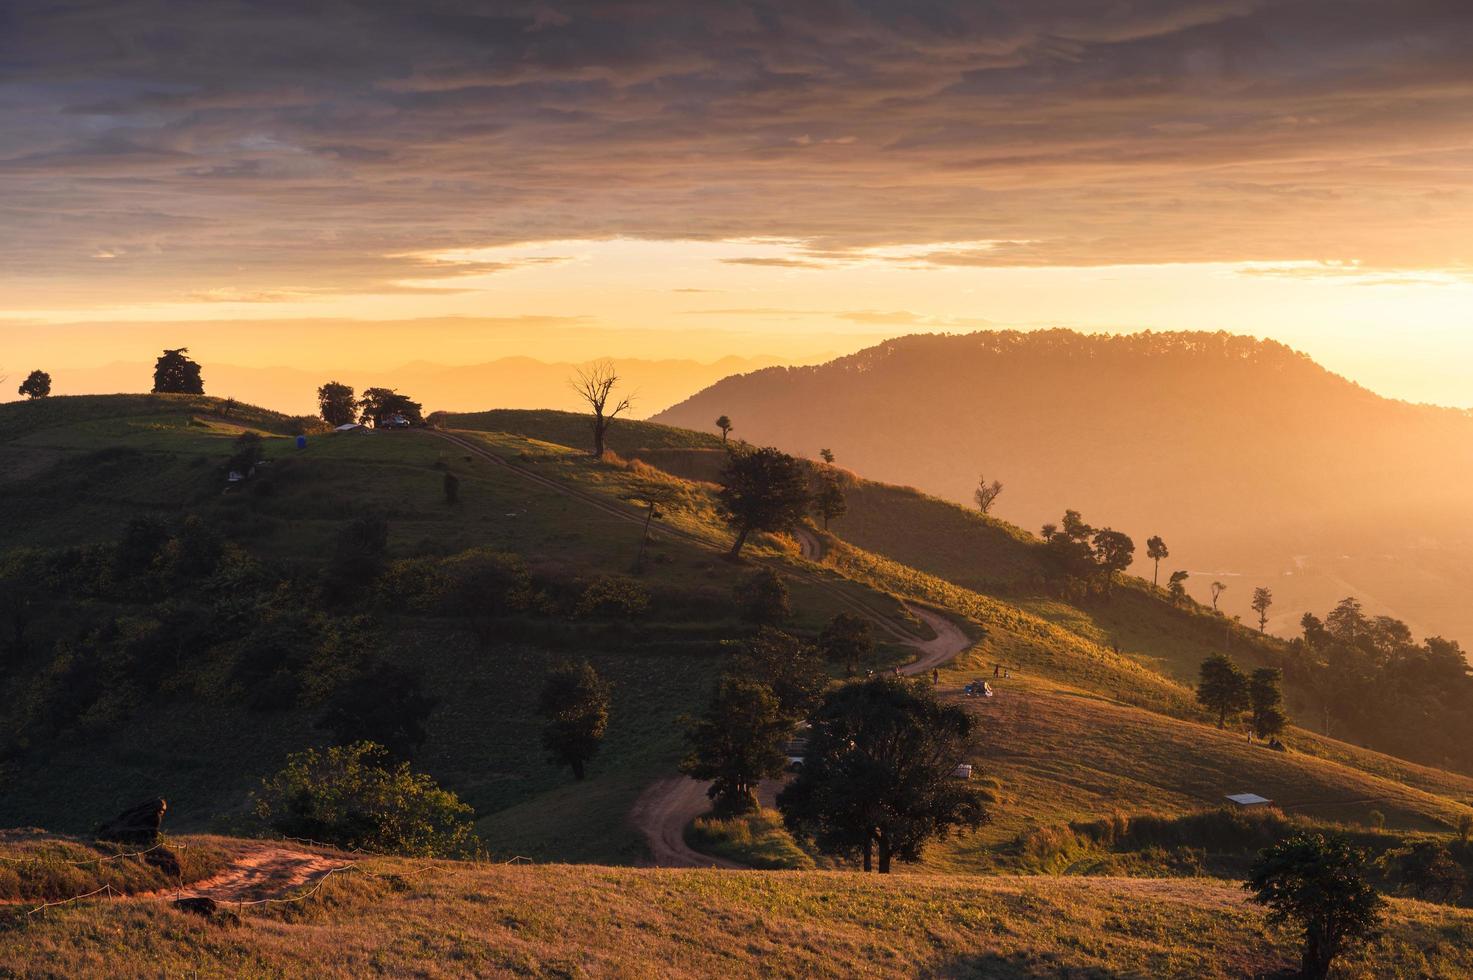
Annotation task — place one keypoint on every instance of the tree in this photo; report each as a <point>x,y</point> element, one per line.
<point>384,705</point>
<point>737,743</point>
<point>1317,882</point>
<point>575,702</point>
<point>652,496</point>
<point>248,451</point>
<point>1176,588</point>
<point>1222,687</point>
<point>1217,590</point>
<point>337,403</point>
<point>761,490</point>
<point>595,384</point>
<point>724,424</point>
<point>791,669</point>
<point>1427,868</point>
<point>484,586</point>
<point>1266,697</point>
<point>986,494</point>
<point>1156,550</point>
<point>1113,551</point>
<point>827,455</point>
<point>351,797</point>
<point>847,639</point>
<point>877,773</point>
<point>378,405</point>
<point>763,598</point>
<point>1262,599</point>
<point>829,503</point>
<point>36,385</point>
<point>175,374</point>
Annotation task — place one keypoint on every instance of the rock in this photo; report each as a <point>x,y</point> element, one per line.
<point>198,905</point>
<point>136,825</point>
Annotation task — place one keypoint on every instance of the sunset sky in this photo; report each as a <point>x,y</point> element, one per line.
<point>564,180</point>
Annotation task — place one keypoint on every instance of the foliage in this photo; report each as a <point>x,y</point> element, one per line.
<point>1427,870</point>
<point>1177,589</point>
<point>37,385</point>
<point>1267,701</point>
<point>353,797</point>
<point>757,840</point>
<point>378,405</point>
<point>575,702</point>
<point>1317,882</point>
<point>176,374</point>
<point>763,598</point>
<point>847,639</point>
<point>1156,550</point>
<point>762,490</point>
<point>737,743</point>
<point>877,772</point>
<point>613,598</point>
<point>1263,598</point>
<point>829,503</point>
<point>790,668</point>
<point>1223,688</point>
<point>724,424</point>
<point>337,403</point>
<point>385,705</point>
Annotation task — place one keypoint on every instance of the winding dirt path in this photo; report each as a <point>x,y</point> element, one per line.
<point>267,871</point>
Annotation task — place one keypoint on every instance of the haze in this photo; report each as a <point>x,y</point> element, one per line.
<point>574,179</point>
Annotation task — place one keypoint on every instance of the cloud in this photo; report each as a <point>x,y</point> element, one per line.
<point>295,146</point>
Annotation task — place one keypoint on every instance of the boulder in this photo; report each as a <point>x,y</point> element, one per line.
<point>138,824</point>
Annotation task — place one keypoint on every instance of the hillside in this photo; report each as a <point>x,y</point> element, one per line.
<point>1256,465</point>
<point>448,919</point>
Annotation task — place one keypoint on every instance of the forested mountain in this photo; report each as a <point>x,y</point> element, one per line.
<point>1256,465</point>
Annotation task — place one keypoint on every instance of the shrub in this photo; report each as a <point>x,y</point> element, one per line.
<point>613,598</point>
<point>763,599</point>
<point>350,796</point>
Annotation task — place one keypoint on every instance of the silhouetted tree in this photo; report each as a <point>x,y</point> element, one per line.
<point>337,404</point>
<point>1428,870</point>
<point>790,668</point>
<point>737,743</point>
<point>378,405</point>
<point>986,494</point>
<point>1176,587</point>
<point>1266,696</point>
<point>827,455</point>
<point>36,385</point>
<point>829,503</point>
<point>877,772</point>
<point>724,424</point>
<point>1217,590</point>
<point>1317,882</point>
<point>1156,550</point>
<point>575,702</point>
<point>763,598</point>
<point>175,374</point>
<point>1113,552</point>
<point>1263,598</point>
<point>847,639</point>
<point>762,490</point>
<point>595,384</point>
<point>1222,687</point>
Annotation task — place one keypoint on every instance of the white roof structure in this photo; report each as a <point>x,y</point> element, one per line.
<point>1248,799</point>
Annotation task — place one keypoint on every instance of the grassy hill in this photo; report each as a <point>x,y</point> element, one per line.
<point>455,919</point>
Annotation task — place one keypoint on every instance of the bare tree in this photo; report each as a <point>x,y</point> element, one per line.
<point>987,494</point>
<point>595,385</point>
<point>1217,589</point>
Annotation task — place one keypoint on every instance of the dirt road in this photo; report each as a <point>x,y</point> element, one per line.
<point>265,871</point>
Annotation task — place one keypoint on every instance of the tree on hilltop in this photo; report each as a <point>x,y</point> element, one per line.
<point>1263,598</point>
<point>1218,588</point>
<point>986,494</point>
<point>175,374</point>
<point>1156,550</point>
<point>36,385</point>
<point>1176,587</point>
<point>337,403</point>
<point>378,405</point>
<point>762,490</point>
<point>724,424</point>
<point>1113,553</point>
<point>595,384</point>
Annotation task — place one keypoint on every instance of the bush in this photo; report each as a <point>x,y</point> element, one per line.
<point>757,840</point>
<point>763,599</point>
<point>350,797</point>
<point>613,598</point>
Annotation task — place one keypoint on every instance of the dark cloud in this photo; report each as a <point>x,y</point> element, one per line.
<point>296,144</point>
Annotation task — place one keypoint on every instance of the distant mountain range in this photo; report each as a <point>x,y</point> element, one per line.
<point>1256,465</point>
<point>509,382</point>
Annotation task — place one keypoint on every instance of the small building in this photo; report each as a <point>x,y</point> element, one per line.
<point>1246,800</point>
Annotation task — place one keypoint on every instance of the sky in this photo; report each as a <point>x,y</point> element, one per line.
<point>323,182</point>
